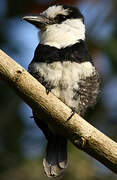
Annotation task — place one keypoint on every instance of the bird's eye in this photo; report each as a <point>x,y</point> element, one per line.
<point>64,17</point>
<point>61,17</point>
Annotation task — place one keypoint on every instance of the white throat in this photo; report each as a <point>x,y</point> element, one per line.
<point>62,35</point>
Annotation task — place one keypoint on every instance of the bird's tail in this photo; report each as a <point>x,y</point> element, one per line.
<point>55,161</point>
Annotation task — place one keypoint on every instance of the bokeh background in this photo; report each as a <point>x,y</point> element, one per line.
<point>22,144</point>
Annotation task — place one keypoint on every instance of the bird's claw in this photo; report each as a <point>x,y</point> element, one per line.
<point>48,88</point>
<point>73,112</point>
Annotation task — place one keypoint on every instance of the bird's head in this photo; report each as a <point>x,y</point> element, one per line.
<point>60,25</point>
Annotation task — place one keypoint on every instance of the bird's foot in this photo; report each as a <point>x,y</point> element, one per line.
<point>48,88</point>
<point>73,112</point>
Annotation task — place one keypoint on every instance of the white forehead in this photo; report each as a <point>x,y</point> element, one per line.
<point>53,11</point>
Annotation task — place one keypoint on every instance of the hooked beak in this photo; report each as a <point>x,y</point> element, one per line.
<point>39,21</point>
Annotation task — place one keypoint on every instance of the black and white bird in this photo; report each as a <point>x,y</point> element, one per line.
<point>63,65</point>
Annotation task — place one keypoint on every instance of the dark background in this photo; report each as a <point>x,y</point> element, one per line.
<point>22,144</point>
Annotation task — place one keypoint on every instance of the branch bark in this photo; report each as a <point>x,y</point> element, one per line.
<point>82,134</point>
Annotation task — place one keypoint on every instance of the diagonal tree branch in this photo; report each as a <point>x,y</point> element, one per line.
<point>83,135</point>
